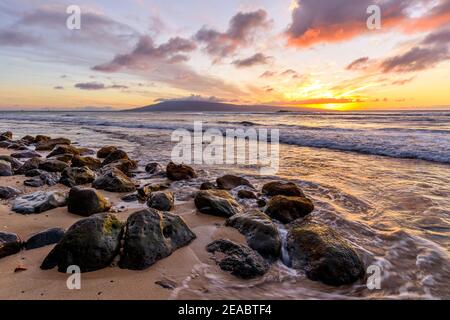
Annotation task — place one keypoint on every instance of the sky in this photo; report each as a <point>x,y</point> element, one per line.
<point>306,53</point>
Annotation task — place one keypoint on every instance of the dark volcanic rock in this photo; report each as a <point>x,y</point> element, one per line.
<point>44,238</point>
<point>287,209</point>
<point>39,202</point>
<point>53,166</point>
<point>28,139</point>
<point>153,168</point>
<point>208,186</point>
<point>162,201</point>
<point>105,152</point>
<point>91,163</point>
<point>5,169</point>
<point>178,172</point>
<point>131,197</point>
<point>15,164</point>
<point>44,178</point>
<point>9,244</point>
<point>40,138</point>
<point>240,260</point>
<point>114,181</point>
<point>72,177</point>
<point>86,202</point>
<point>8,192</point>
<point>152,235</point>
<point>27,154</point>
<point>217,203</point>
<point>279,188</point>
<point>30,164</point>
<point>63,157</point>
<point>323,254</point>
<point>91,243</point>
<point>8,135</point>
<point>261,233</point>
<point>48,145</point>
<point>229,182</point>
<point>124,165</point>
<point>86,152</point>
<point>114,156</point>
<point>246,194</point>
<point>63,149</point>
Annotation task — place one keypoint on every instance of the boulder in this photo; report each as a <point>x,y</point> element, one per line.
<point>48,145</point>
<point>44,178</point>
<point>41,138</point>
<point>8,192</point>
<point>178,172</point>
<point>91,244</point>
<point>5,144</point>
<point>323,254</point>
<point>77,176</point>
<point>261,233</point>
<point>8,135</point>
<point>239,260</point>
<point>246,194</point>
<point>86,152</point>
<point>152,235</point>
<point>44,238</point>
<point>35,173</point>
<point>280,188</point>
<point>86,202</point>
<point>229,182</point>
<point>28,139</point>
<point>5,169</point>
<point>162,200</point>
<point>30,164</point>
<point>63,157</point>
<point>15,164</point>
<point>27,154</point>
<point>63,149</point>
<point>39,202</point>
<point>53,166</point>
<point>287,209</point>
<point>18,146</point>
<point>114,156</point>
<point>133,197</point>
<point>9,244</point>
<point>208,186</point>
<point>153,168</point>
<point>114,180</point>
<point>105,152</point>
<point>124,165</point>
<point>217,203</point>
<point>91,163</point>
<point>261,203</point>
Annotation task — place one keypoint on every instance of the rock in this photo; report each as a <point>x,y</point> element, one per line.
<point>8,192</point>
<point>34,173</point>
<point>63,149</point>
<point>44,238</point>
<point>91,163</point>
<point>167,284</point>
<point>48,145</point>
<point>105,152</point>
<point>152,235</point>
<point>279,188</point>
<point>15,164</point>
<point>27,154</point>
<point>40,138</point>
<point>208,186</point>
<point>261,203</point>
<point>53,166</point>
<point>114,156</point>
<point>240,260</point>
<point>287,209</point>
<point>131,197</point>
<point>162,200</point>
<point>28,139</point>
<point>86,152</point>
<point>178,172</point>
<point>72,177</point>
<point>86,202</point>
<point>18,146</point>
<point>229,182</point>
<point>5,144</point>
<point>30,164</point>
<point>8,135</point>
<point>217,203</point>
<point>124,165</point>
<point>39,202</point>
<point>63,157</point>
<point>91,244</point>
<point>9,244</point>
<point>246,194</point>
<point>114,180</point>
<point>261,233</point>
<point>153,168</point>
<point>36,182</point>
<point>5,169</point>
<point>323,254</point>
<point>44,178</point>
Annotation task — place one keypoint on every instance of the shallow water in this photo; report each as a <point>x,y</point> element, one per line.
<point>380,179</point>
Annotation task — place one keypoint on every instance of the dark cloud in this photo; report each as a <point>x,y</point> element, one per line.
<point>58,88</point>
<point>440,37</point>
<point>239,34</point>
<point>324,21</point>
<point>97,86</point>
<point>268,74</point>
<point>145,54</point>
<point>257,59</point>
<point>358,64</point>
<point>416,59</point>
<point>16,39</point>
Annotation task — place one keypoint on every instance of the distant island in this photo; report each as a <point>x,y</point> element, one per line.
<point>213,106</point>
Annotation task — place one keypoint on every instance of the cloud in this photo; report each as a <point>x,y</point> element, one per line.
<point>240,33</point>
<point>323,21</point>
<point>16,39</point>
<point>256,59</point>
<point>58,87</point>
<point>268,74</point>
<point>358,64</point>
<point>97,86</point>
<point>146,53</point>
<point>193,97</point>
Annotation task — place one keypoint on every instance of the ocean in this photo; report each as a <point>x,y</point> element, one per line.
<point>381,179</point>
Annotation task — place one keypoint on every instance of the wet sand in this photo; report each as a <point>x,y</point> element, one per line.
<point>109,283</point>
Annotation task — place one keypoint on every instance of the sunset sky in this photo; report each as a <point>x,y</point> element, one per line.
<point>309,53</point>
